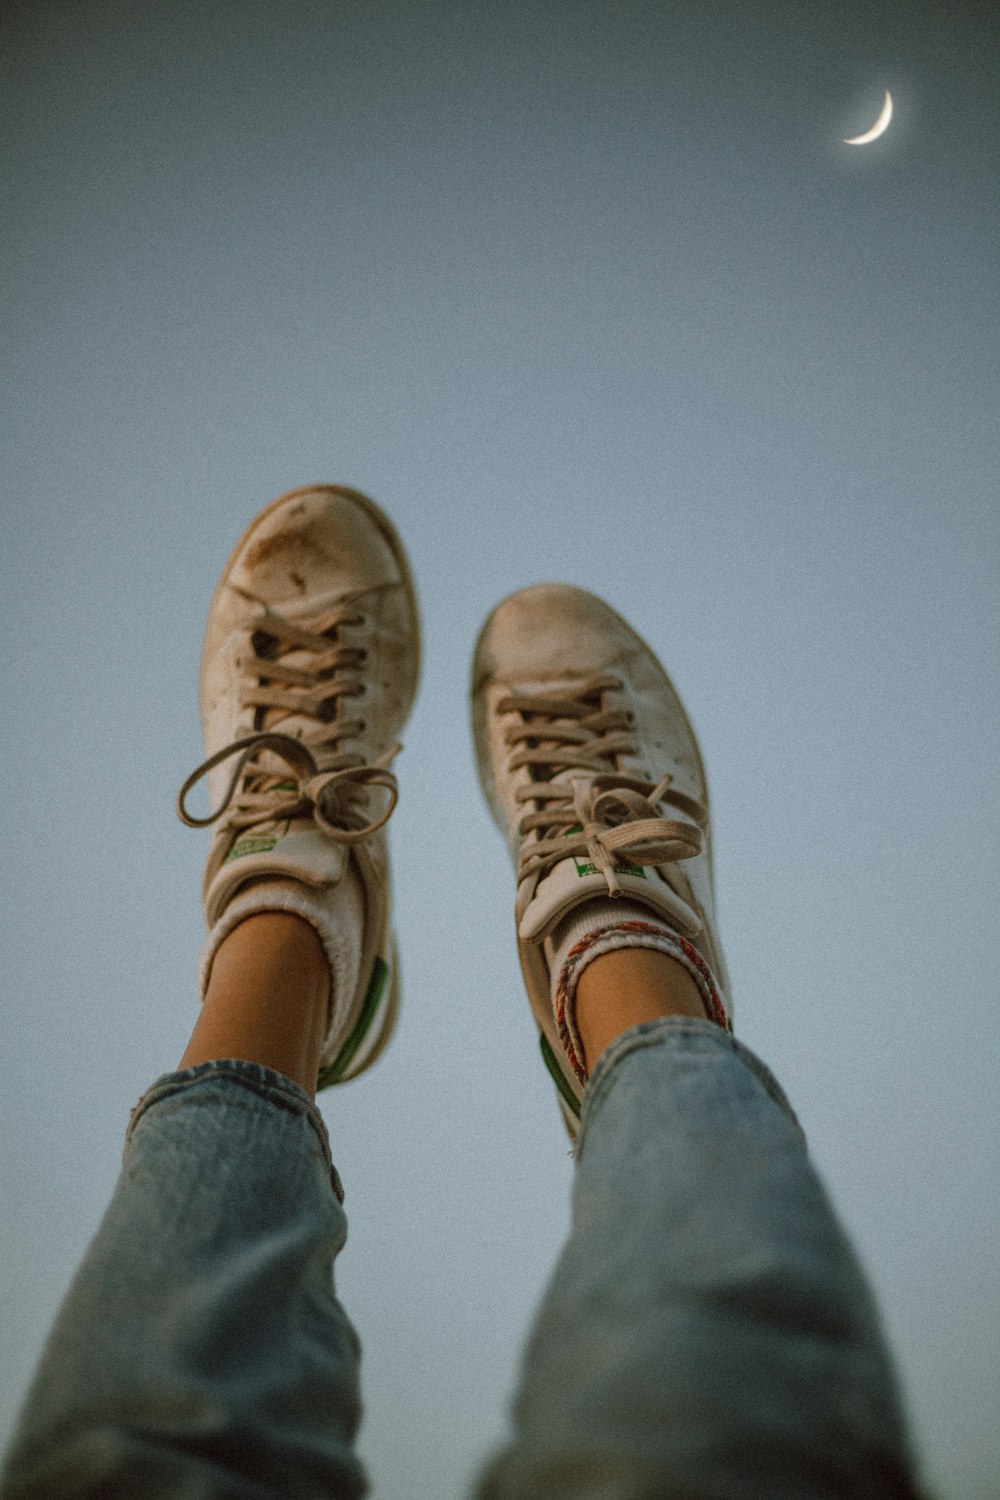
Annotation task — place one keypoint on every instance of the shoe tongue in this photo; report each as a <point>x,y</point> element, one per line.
<point>289,849</point>
<point>577,879</point>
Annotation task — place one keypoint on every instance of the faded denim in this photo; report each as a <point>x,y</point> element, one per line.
<point>707,1334</point>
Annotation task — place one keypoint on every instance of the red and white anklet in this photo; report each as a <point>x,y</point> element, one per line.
<point>590,936</point>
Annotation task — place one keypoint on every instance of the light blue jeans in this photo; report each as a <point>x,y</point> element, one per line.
<point>707,1332</point>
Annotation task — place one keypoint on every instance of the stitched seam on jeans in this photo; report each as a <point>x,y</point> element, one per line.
<point>255,1078</point>
<point>771,1085</point>
<point>662,1033</point>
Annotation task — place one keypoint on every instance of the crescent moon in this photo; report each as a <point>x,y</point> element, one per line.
<point>879,128</point>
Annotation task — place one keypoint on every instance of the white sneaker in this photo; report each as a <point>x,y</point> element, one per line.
<point>592,771</point>
<point>308,673</point>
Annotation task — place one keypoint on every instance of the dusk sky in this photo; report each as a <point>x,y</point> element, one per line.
<point>583,291</point>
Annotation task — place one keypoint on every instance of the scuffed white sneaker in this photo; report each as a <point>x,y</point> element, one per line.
<point>308,673</point>
<point>592,771</point>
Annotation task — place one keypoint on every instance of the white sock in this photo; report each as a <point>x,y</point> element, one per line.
<point>601,926</point>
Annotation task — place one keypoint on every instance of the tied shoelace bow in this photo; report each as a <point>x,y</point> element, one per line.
<point>610,817</point>
<point>330,784</point>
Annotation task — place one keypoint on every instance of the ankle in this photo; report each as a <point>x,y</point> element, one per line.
<point>268,998</point>
<point>269,950</point>
<point>615,964</point>
<point>626,987</point>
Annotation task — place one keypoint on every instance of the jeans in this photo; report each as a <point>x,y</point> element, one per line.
<point>707,1331</point>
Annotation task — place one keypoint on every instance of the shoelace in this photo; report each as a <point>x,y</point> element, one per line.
<point>328,783</point>
<point>606,815</point>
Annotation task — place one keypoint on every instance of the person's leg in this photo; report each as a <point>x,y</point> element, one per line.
<point>268,999</point>
<point>624,988</point>
<point>707,1333</point>
<point>201,1351</point>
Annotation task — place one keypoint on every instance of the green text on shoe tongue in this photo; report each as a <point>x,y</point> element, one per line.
<point>294,850</point>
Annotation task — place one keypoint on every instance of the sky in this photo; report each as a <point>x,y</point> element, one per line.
<point>591,292</point>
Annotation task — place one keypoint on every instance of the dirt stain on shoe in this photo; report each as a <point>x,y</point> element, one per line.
<point>289,545</point>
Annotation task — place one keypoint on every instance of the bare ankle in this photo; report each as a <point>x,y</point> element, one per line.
<point>268,998</point>
<point>623,988</point>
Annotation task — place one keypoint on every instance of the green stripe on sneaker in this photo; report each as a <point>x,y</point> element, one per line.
<point>558,1077</point>
<point>373,996</point>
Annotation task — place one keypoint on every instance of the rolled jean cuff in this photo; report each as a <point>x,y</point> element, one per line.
<point>222,1076</point>
<point>673,1034</point>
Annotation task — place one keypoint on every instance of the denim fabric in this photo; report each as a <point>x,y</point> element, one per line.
<point>707,1332</point>
<point>201,1351</point>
